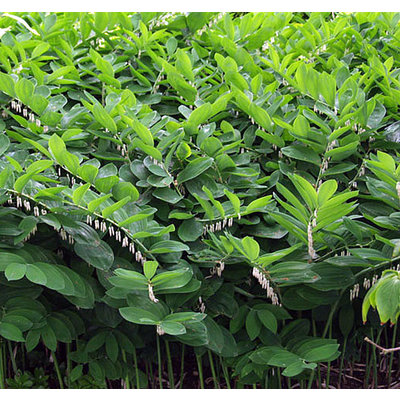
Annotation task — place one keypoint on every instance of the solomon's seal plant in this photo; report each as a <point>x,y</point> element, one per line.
<point>207,191</point>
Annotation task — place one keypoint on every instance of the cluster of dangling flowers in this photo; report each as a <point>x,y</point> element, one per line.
<point>71,179</point>
<point>212,22</point>
<point>265,284</point>
<point>356,127</point>
<point>325,162</point>
<point>218,269</point>
<point>275,148</point>
<point>31,233</point>
<point>307,60</point>
<point>343,253</point>
<point>65,236</point>
<point>218,226</point>
<point>361,172</point>
<point>160,331</point>
<point>396,267</point>
<point>366,283</point>
<point>322,49</point>
<point>202,306</point>
<point>311,250</point>
<point>152,297</point>
<point>26,205</point>
<point>318,111</point>
<point>398,189</point>
<point>354,292</point>
<point>16,106</point>
<point>162,20</point>
<point>123,149</point>
<point>267,43</point>
<point>116,233</point>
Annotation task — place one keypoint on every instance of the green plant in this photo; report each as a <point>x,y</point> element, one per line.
<point>152,164</point>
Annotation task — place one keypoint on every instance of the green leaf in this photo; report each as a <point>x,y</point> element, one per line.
<point>35,274</point>
<point>184,65</point>
<point>234,201</point>
<point>305,189</point>
<point>105,184</point>
<point>15,271</point>
<point>194,169</point>
<point>251,248</point>
<point>173,328</point>
<point>96,203</point>
<point>100,256</point>
<point>150,268</point>
<point>11,332</point>
<point>168,246</point>
<point>114,207</point>
<point>125,189</point>
<point>24,89</point>
<point>326,191</point>
<point>268,320</point>
<point>79,193</point>
<point>57,148</point>
<point>139,316</point>
<point>88,173</point>
<point>190,230</point>
<point>300,152</point>
<point>143,132</point>
<point>253,325</point>
<point>4,143</point>
<point>102,117</point>
<point>257,205</point>
<point>7,84</point>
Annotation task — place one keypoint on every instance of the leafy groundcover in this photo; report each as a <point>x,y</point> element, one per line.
<point>199,200</point>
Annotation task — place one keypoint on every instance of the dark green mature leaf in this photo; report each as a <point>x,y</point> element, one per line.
<point>194,169</point>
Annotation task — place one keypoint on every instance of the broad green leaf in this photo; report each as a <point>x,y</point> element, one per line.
<point>79,193</point>
<point>251,248</point>
<point>194,169</point>
<point>114,207</point>
<point>102,116</point>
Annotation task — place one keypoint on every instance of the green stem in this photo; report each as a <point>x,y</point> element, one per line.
<point>266,380</point>
<point>319,377</point>
<point>57,368</point>
<point>215,378</point>
<point>200,368</point>
<point>368,366</point>
<point>13,362</point>
<point>170,369</point>
<point>311,380</point>
<point>182,367</point>
<point>226,374</point>
<point>69,365</point>
<point>280,378</point>
<point>328,372</point>
<point>392,355</point>
<point>375,360</point>
<point>128,385</point>
<point>2,376</point>
<point>342,361</point>
<point>136,368</point>
<point>159,361</point>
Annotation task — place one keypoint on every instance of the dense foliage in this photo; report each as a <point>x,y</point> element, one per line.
<point>198,192</point>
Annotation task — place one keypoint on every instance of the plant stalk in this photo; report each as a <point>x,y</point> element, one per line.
<point>159,361</point>
<point>200,369</point>
<point>57,368</point>
<point>170,368</point>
